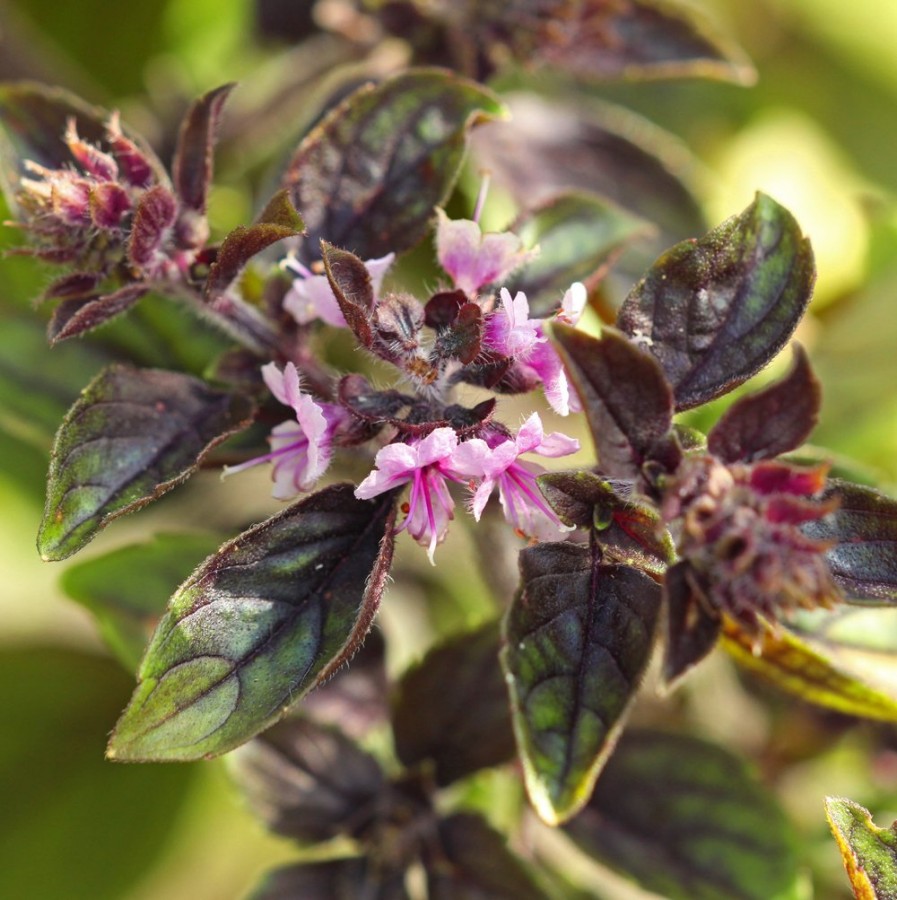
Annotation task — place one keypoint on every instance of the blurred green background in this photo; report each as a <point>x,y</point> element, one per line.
<point>818,132</point>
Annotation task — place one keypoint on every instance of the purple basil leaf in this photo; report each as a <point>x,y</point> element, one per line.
<point>334,879</point>
<point>452,708</point>
<point>626,398</point>
<point>579,236</point>
<point>716,310</point>
<point>628,527</point>
<point>272,614</point>
<point>461,340</point>
<point>131,436</point>
<point>32,124</point>
<point>578,639</point>
<point>370,175</point>
<point>863,531</point>
<point>279,220</point>
<point>476,864</point>
<point>442,309</point>
<point>155,214</point>
<point>351,284</point>
<point>307,781</point>
<point>772,421</point>
<point>74,286</point>
<point>687,820</point>
<point>691,630</point>
<point>373,406</point>
<point>75,316</point>
<point>191,167</point>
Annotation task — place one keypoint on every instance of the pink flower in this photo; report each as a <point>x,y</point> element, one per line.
<point>311,297</point>
<point>425,464</point>
<point>496,462</point>
<point>300,450</point>
<point>474,259</point>
<point>510,331</point>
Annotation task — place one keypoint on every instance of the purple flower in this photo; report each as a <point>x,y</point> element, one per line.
<point>425,464</point>
<point>311,297</point>
<point>496,462</point>
<point>300,450</point>
<point>474,259</point>
<point>509,330</point>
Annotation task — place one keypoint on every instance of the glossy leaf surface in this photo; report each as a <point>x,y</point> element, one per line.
<point>370,175</point>
<point>452,708</point>
<point>687,821</point>
<point>869,853</point>
<point>577,640</point>
<point>126,590</point>
<point>626,399</point>
<point>260,623</point>
<point>863,530</point>
<point>716,310</point>
<point>131,436</point>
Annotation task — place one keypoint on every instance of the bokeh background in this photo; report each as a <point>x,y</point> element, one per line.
<point>818,132</point>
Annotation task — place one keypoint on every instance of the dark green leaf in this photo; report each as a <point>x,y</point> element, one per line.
<point>578,638</point>
<point>475,864</point>
<point>131,436</point>
<point>127,589</point>
<point>863,530</point>
<point>336,879</point>
<point>108,826</point>
<point>452,708</point>
<point>869,852</point>
<point>772,421</point>
<point>692,630</point>
<point>579,236</point>
<point>716,310</point>
<point>819,670</point>
<point>626,398</point>
<point>276,611</point>
<point>688,821</point>
<point>308,781</point>
<point>628,528</point>
<point>600,40</point>
<point>191,167</point>
<point>370,175</point>
<point>278,220</point>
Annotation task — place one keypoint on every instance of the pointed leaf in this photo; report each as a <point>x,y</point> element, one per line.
<point>279,220</point>
<point>628,528</point>
<point>863,530</point>
<point>687,821</point>
<point>476,864</point>
<point>335,878</point>
<point>772,421</point>
<point>75,316</point>
<point>869,852</point>
<point>370,175</point>
<point>191,167</point>
<point>452,708</point>
<point>626,398</point>
<point>127,589</point>
<point>579,235</point>
<point>577,641</point>
<point>716,310</point>
<point>351,284</point>
<point>272,614</point>
<point>131,436</point>
<point>307,781</point>
<point>810,668</point>
<point>692,630</point>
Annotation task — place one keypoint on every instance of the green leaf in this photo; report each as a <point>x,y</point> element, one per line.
<point>869,852</point>
<point>127,589</point>
<point>863,531</point>
<point>307,781</point>
<point>370,175</point>
<point>687,821</point>
<point>578,638</point>
<point>130,437</point>
<point>276,611</point>
<point>337,878</point>
<point>814,669</point>
<point>716,310</point>
<point>476,864</point>
<point>579,235</point>
<point>626,398</point>
<point>452,708</point>
<point>109,826</point>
